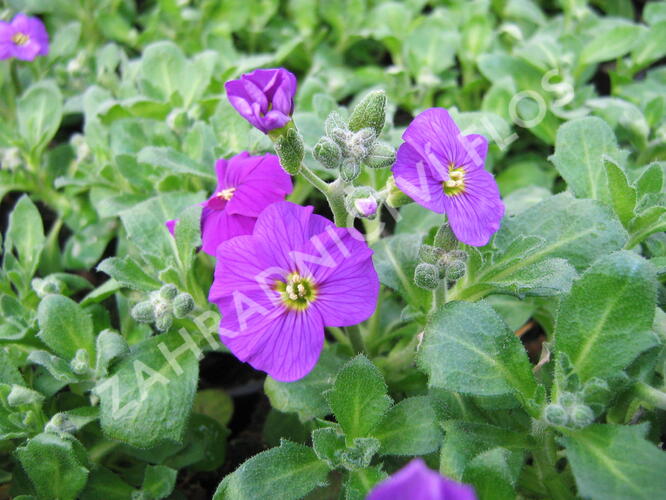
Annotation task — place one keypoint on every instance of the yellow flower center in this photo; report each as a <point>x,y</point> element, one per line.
<point>226,194</point>
<point>297,292</point>
<point>20,38</point>
<point>456,183</point>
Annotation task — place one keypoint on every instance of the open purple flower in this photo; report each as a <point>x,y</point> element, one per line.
<point>416,481</point>
<point>23,38</point>
<point>264,97</point>
<point>246,185</point>
<point>443,170</point>
<point>278,288</point>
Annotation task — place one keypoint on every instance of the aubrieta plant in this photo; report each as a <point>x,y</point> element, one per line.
<point>341,250</point>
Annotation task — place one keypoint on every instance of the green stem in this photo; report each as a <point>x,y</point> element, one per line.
<point>545,458</point>
<point>356,339</point>
<point>15,79</point>
<point>314,179</point>
<point>650,395</point>
<point>334,193</point>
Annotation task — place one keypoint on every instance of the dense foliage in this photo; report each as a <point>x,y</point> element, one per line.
<point>533,366</point>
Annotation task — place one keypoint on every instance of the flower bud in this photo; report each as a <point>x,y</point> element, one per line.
<point>328,153</point>
<point>567,400</point>
<point>381,156</point>
<point>183,305</point>
<point>362,202</point>
<point>164,321</point>
<point>361,143</point>
<point>370,112</point>
<point>289,148</point>
<point>444,238</point>
<point>333,123</point>
<point>47,286</point>
<point>81,362</point>
<point>396,198</point>
<point>60,423</point>
<point>455,270</point>
<point>426,276</point>
<point>556,414</point>
<point>10,158</point>
<point>168,291</point>
<point>349,171</point>
<point>360,454</point>
<point>596,391</point>
<point>430,254</point>
<point>19,396</point>
<point>581,416</point>
<point>143,312</point>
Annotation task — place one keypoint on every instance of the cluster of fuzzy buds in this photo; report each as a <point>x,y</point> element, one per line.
<point>47,286</point>
<point>163,306</point>
<point>569,410</point>
<point>441,261</point>
<point>348,145</point>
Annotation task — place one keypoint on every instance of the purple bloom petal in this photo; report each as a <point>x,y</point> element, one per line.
<point>279,287</point>
<point>246,185</point>
<point>366,206</point>
<point>24,38</point>
<point>443,170</point>
<point>171,226</point>
<point>416,481</point>
<point>414,178</point>
<point>265,97</point>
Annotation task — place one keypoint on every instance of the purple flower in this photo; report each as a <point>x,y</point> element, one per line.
<point>246,185</point>
<point>443,170</point>
<point>23,38</point>
<point>264,97</point>
<point>278,288</point>
<point>416,481</point>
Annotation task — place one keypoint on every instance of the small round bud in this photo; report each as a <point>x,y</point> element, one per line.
<point>183,305</point>
<point>366,207</point>
<point>381,156</point>
<point>581,415</point>
<point>81,362</point>
<point>361,143</point>
<point>430,254</point>
<point>60,423</point>
<point>396,198</point>
<point>455,270</point>
<point>567,399</point>
<point>426,276</point>
<point>349,171</point>
<point>556,414</point>
<point>362,202</point>
<point>143,312</point>
<point>290,150</point>
<point>370,112</point>
<point>444,238</point>
<point>169,291</point>
<point>164,321</point>
<point>334,122</point>
<point>47,286</point>
<point>328,153</point>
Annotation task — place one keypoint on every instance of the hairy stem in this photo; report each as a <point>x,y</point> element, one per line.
<point>545,458</point>
<point>650,395</point>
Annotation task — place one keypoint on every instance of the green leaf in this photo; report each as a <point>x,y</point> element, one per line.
<point>144,222</point>
<point>65,327</point>
<point>306,396</point>
<point>395,259</point>
<point>409,428</point>
<point>649,221</point>
<point>651,180</point>
<point>61,475</point>
<point>146,401</point>
<point>611,43</point>
<point>580,149</point>
<point>25,234</point>
<point>175,162</point>
<point>163,71</point>
<point>110,345</point>
<point>359,398</point>
<point>105,484</point>
<point>214,403</point>
<point>651,46</point>
<point>328,443</point>
<point>9,373</point>
<point>579,231</point>
<point>188,235</point>
<point>285,473</point>
<point>493,474</point>
<point>39,114</point>
<point>622,195</point>
<point>468,348</point>
<point>126,271</point>
<point>616,461</point>
<point>360,482</point>
<point>606,320</point>
<point>159,481</point>
<point>57,367</point>
<point>465,440</point>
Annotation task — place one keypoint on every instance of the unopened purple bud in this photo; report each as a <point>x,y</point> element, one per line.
<point>366,207</point>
